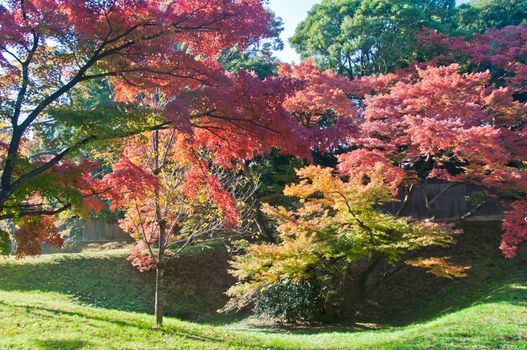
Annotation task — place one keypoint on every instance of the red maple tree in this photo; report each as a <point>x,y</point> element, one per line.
<point>461,122</point>
<point>50,48</point>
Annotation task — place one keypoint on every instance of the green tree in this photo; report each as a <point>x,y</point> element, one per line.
<point>258,58</point>
<point>360,37</point>
<point>479,15</point>
<point>262,66</point>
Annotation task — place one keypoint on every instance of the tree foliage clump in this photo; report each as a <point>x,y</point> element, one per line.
<point>481,140</point>
<point>479,15</point>
<point>289,301</point>
<point>336,238</point>
<point>34,230</point>
<point>358,38</point>
<point>362,37</point>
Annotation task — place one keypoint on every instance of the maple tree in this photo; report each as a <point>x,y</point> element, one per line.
<point>336,239</point>
<point>171,197</point>
<point>459,117</point>
<point>501,54</point>
<point>440,124</point>
<point>51,50</point>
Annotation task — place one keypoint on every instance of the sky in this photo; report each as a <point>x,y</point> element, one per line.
<point>292,13</point>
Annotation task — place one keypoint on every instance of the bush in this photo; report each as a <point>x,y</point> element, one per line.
<point>290,302</point>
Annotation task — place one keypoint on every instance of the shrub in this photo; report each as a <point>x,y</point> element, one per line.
<point>289,302</point>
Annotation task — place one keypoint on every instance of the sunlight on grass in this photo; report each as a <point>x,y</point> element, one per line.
<point>96,300</point>
<point>56,321</point>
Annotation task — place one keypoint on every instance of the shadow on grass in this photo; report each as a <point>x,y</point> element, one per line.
<point>61,344</point>
<point>513,293</point>
<point>414,296</point>
<point>195,284</point>
<point>178,331</point>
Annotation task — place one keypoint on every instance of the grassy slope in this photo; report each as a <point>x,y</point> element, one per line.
<point>95,300</point>
<point>105,279</point>
<point>52,321</point>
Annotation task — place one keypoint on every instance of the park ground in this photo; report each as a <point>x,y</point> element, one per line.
<point>88,298</point>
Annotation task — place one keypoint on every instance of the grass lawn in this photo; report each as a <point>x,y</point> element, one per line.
<point>95,300</point>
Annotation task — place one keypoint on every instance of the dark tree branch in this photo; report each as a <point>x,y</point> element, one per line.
<point>36,213</point>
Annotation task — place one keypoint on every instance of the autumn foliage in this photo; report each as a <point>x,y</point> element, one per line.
<point>335,230</point>
<point>462,123</point>
<point>321,104</point>
<point>458,118</point>
<point>166,194</point>
<point>502,51</point>
<point>51,50</point>
<point>32,232</point>
<point>176,122</point>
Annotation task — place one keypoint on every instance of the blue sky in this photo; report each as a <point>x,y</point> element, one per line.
<point>293,12</point>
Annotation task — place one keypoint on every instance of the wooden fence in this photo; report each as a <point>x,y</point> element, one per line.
<point>448,202</point>
<point>102,230</point>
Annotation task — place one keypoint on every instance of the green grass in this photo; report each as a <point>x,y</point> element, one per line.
<point>195,282</point>
<point>95,300</point>
<point>37,320</point>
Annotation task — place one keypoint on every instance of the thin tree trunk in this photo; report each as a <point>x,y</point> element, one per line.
<point>159,296</point>
<point>350,292</point>
<point>359,291</point>
<point>261,224</point>
<point>161,223</point>
<point>428,204</point>
<point>406,200</point>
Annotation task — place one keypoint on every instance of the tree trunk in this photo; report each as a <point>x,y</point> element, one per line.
<point>159,295</point>
<point>351,291</point>
<point>261,224</point>
<point>158,308</point>
<point>360,287</point>
<point>160,220</point>
<point>406,200</point>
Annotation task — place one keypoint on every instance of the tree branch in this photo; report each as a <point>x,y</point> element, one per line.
<point>36,213</point>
